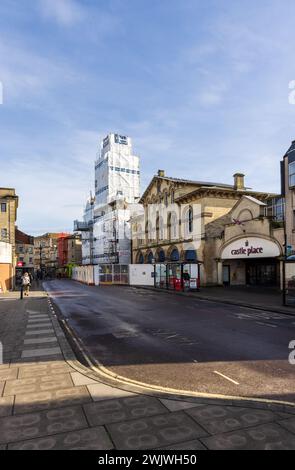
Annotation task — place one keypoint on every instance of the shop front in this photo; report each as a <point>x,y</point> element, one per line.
<point>250,261</point>
<point>177,276</point>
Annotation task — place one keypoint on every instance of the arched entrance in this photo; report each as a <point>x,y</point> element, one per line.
<point>252,261</point>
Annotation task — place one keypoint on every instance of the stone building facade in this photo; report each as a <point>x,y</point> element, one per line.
<point>185,221</point>
<point>8,215</point>
<point>24,254</point>
<point>288,191</point>
<point>46,252</point>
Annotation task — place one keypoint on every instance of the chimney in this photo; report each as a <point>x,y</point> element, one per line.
<point>239,183</point>
<point>161,173</point>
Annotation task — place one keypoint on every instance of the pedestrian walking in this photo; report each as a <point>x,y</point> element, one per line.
<point>26,283</point>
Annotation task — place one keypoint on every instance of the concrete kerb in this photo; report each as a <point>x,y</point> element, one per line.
<point>101,374</point>
<point>194,295</point>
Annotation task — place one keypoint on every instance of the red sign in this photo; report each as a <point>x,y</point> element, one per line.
<point>20,264</point>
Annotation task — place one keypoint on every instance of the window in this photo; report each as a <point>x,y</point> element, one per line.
<point>166,199</point>
<point>3,207</point>
<point>172,226</point>
<point>292,174</point>
<point>276,209</point>
<point>172,197</point>
<point>4,234</point>
<point>190,220</point>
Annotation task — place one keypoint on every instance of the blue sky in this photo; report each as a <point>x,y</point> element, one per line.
<point>200,86</point>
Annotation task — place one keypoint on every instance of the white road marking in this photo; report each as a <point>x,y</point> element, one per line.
<point>227,378</point>
<point>40,340</point>
<point>39,332</point>
<point>39,320</point>
<point>39,325</point>
<point>37,317</point>
<point>266,324</point>
<point>41,352</point>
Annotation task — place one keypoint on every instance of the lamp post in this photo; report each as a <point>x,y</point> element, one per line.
<point>284,260</point>
<point>284,269</point>
<point>41,273</point>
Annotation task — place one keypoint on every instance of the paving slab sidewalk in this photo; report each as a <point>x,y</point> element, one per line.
<point>48,400</point>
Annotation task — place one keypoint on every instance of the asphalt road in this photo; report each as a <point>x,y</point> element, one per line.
<point>181,342</point>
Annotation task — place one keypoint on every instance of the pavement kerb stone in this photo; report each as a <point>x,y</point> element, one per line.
<point>104,375</point>
<point>222,301</point>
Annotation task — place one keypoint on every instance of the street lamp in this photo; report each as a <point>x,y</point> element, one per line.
<point>41,273</point>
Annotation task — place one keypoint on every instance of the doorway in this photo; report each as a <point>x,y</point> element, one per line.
<point>261,273</point>
<point>226,274</point>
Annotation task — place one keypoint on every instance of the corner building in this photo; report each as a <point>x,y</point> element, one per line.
<point>230,231</point>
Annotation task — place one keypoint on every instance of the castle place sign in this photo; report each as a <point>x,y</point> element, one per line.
<point>252,247</point>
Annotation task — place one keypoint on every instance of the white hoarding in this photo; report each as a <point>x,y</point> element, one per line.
<point>141,275</point>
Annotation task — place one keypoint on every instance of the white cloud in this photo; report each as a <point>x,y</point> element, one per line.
<point>64,12</point>
<point>210,98</point>
<point>26,74</point>
<point>59,177</point>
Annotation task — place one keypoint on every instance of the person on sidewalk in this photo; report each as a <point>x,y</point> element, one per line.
<point>26,282</point>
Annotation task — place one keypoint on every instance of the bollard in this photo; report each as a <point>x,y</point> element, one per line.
<point>21,292</point>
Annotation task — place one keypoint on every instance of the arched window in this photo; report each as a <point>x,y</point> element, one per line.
<point>166,199</point>
<point>157,227</point>
<point>172,196</point>
<point>161,256</point>
<point>150,257</point>
<point>190,220</point>
<point>140,258</point>
<point>140,240</point>
<point>190,256</point>
<point>160,228</point>
<point>174,226</point>
<point>148,232</point>
<point>174,256</point>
